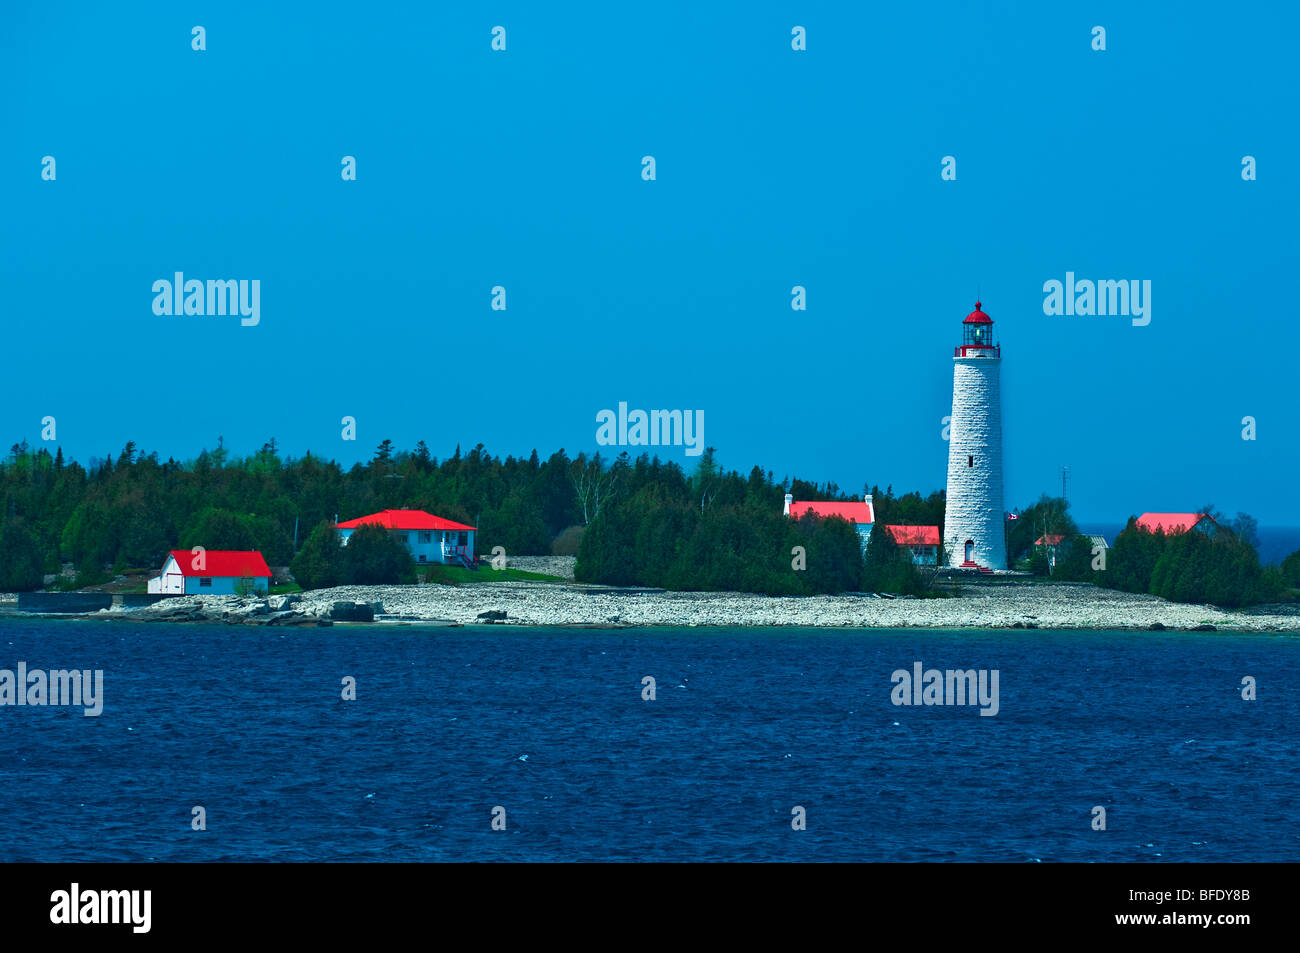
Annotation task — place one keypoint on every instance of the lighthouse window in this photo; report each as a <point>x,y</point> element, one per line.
<point>970,461</point>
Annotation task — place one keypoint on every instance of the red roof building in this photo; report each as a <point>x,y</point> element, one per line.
<point>861,515</point>
<point>914,535</point>
<point>1172,524</point>
<point>212,572</point>
<point>921,541</point>
<point>405,519</point>
<point>240,564</point>
<point>855,512</point>
<point>431,539</point>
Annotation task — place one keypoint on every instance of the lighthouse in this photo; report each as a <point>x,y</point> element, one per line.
<point>973,517</point>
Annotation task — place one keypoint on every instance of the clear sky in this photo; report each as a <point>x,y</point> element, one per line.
<point>774,168</point>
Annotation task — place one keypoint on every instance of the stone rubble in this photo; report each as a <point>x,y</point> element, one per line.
<point>1046,606</point>
<point>1018,605</point>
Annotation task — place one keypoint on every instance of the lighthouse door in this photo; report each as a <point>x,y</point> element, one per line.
<point>970,547</point>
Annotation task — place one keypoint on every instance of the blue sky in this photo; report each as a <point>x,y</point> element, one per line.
<point>774,168</point>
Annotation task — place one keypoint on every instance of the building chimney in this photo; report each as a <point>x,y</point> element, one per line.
<point>789,498</point>
<point>867,499</point>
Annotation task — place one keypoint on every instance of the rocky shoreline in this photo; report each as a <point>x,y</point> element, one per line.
<point>1014,605</point>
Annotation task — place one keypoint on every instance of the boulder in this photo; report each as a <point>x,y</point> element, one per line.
<point>493,615</point>
<point>352,612</point>
<point>291,618</point>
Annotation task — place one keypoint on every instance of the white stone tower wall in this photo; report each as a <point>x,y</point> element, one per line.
<point>974,499</point>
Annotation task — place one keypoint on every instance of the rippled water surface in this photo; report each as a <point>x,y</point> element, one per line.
<point>449,723</point>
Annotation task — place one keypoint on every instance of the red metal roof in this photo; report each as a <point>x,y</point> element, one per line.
<point>1170,522</point>
<point>977,316</point>
<point>914,535</point>
<point>856,512</point>
<point>223,562</point>
<point>404,519</point>
<point>1052,539</point>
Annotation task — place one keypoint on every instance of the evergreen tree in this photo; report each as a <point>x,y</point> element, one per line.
<point>373,556</point>
<point>320,563</point>
<point>1290,570</point>
<point>21,558</point>
<point>888,567</point>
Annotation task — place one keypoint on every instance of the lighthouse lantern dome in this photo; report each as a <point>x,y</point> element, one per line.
<point>977,335</point>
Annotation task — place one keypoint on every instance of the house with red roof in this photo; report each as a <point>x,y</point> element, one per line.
<point>1052,541</point>
<point>1172,524</point>
<point>861,515</point>
<point>1049,542</point>
<point>215,572</point>
<point>431,539</point>
<point>921,541</point>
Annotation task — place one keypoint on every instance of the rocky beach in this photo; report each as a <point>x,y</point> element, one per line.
<point>520,603</point>
<point>984,603</point>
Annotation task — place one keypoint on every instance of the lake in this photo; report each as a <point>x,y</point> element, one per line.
<point>746,725</point>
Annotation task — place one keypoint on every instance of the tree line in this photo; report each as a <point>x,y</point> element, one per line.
<point>1222,569</point>
<point>721,530</point>
<point>640,519</point>
<point>126,511</point>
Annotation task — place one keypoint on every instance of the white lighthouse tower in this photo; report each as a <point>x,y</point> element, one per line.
<point>973,524</point>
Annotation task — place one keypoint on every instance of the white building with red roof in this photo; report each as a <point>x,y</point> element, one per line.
<point>431,539</point>
<point>921,541</point>
<point>212,572</point>
<point>1050,542</point>
<point>861,515</point>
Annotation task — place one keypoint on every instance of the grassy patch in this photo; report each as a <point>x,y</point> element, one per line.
<point>285,589</point>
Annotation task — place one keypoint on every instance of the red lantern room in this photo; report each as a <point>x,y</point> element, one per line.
<point>977,336</point>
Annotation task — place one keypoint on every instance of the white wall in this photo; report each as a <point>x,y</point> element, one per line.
<point>432,544</point>
<point>924,555</point>
<point>221,585</point>
<point>169,580</point>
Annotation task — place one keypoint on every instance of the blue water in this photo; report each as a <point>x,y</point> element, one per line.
<point>747,724</point>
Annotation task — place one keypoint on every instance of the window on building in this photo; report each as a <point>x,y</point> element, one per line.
<point>426,537</point>
<point>970,461</point>
<point>422,557</point>
<point>401,537</point>
<point>462,539</point>
<point>205,581</point>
